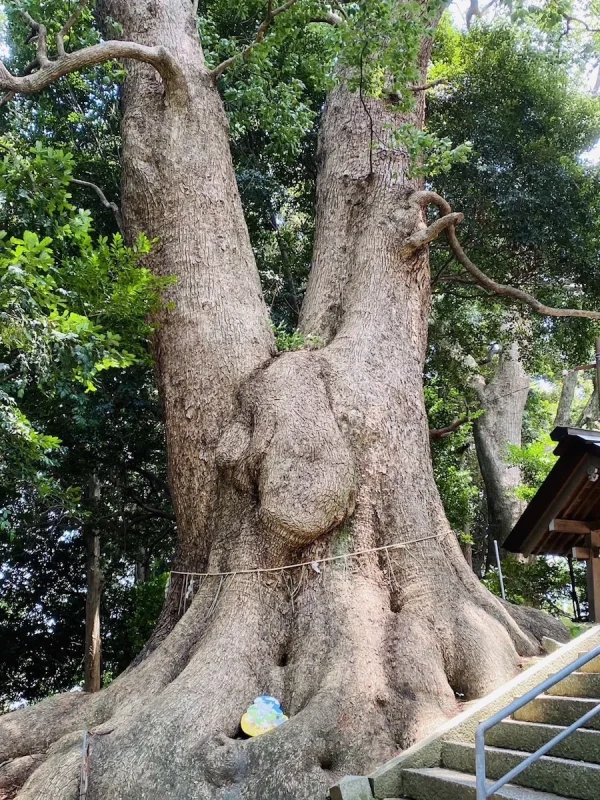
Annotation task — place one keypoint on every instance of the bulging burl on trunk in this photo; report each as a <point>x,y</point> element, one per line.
<point>286,447</point>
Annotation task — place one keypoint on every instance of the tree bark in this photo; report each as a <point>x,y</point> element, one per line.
<point>503,402</point>
<point>591,413</point>
<point>278,460</point>
<point>564,411</point>
<point>92,663</point>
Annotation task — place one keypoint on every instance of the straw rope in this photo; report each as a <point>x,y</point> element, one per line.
<point>312,562</point>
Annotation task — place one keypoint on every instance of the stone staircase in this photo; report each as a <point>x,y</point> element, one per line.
<point>442,767</point>
<point>572,771</point>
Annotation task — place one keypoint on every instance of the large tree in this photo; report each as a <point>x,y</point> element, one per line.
<point>281,458</point>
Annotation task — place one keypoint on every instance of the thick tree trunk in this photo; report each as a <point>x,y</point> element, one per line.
<point>503,402</point>
<point>180,188</point>
<point>277,461</point>
<point>92,663</point>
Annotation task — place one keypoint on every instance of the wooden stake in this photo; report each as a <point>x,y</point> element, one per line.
<point>93,642</point>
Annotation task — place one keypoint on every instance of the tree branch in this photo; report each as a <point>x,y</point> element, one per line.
<point>38,34</point>
<point>157,483</point>
<point>154,512</point>
<point>429,85</point>
<point>581,368</point>
<point>475,11</point>
<point>569,19</point>
<point>106,203</point>
<point>70,23</point>
<point>260,35</point>
<point>425,198</point>
<point>455,279</point>
<point>51,71</point>
<point>42,71</point>
<point>441,433</point>
<point>329,19</point>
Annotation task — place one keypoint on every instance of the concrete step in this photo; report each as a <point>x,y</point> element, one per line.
<point>578,684</point>
<point>591,666</point>
<point>446,784</point>
<point>567,778</point>
<point>554,710</point>
<point>583,745</point>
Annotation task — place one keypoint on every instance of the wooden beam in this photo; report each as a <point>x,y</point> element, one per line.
<point>581,553</point>
<point>569,526</point>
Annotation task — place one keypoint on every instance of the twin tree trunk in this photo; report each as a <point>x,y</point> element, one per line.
<point>277,459</point>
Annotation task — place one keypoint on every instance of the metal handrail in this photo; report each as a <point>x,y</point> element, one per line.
<point>482,790</point>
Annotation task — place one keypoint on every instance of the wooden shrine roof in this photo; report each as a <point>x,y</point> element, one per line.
<point>566,507</point>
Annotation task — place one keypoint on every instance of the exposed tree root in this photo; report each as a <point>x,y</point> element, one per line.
<point>537,623</point>
<point>367,655</point>
<point>14,773</point>
<point>34,729</point>
<point>346,657</point>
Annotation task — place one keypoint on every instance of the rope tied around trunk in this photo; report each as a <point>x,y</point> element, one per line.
<point>189,589</point>
<point>313,562</point>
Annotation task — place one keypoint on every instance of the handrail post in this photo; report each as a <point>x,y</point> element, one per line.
<point>480,763</point>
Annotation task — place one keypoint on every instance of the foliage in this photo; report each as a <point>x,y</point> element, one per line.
<point>545,583</point>
<point>70,307</point>
<point>382,55</point>
<point>529,128</point>
<point>130,616</point>
<point>115,433</point>
<point>273,99</point>
<point>295,340</point>
<point>76,398</point>
<point>429,155</point>
<point>535,461</point>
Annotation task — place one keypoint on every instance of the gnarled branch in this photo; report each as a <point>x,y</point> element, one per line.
<point>42,71</point>
<point>272,14</point>
<point>430,85</point>
<point>441,433</point>
<point>50,71</point>
<point>569,19</point>
<point>329,19</point>
<point>103,199</point>
<point>431,232</point>
<point>38,34</point>
<point>425,198</point>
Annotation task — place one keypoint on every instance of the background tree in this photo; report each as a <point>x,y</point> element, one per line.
<point>531,220</point>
